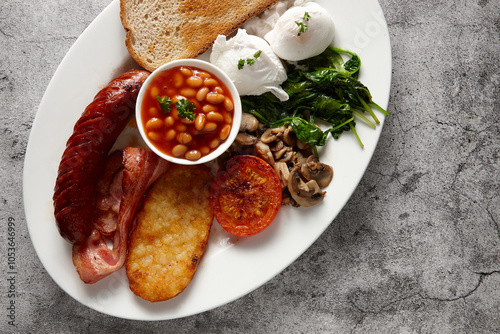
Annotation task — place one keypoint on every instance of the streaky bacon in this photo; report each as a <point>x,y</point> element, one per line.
<point>93,259</point>
<point>109,195</point>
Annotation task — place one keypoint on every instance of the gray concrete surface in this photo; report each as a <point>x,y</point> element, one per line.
<point>415,250</point>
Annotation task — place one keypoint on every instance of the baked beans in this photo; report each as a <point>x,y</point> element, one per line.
<point>179,136</point>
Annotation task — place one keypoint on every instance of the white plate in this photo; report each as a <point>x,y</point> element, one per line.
<point>231,267</point>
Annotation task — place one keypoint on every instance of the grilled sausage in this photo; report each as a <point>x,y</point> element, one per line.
<point>86,150</point>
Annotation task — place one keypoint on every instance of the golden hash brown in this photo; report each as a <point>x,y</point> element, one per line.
<point>171,233</point>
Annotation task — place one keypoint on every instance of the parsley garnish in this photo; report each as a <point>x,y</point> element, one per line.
<point>185,109</point>
<point>241,63</point>
<point>249,61</point>
<point>165,103</point>
<point>302,26</point>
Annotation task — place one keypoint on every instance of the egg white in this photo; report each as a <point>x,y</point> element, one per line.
<point>289,43</point>
<point>264,75</point>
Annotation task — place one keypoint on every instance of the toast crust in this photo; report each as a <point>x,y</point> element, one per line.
<point>159,31</point>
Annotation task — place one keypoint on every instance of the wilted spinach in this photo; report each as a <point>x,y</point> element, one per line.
<point>324,87</point>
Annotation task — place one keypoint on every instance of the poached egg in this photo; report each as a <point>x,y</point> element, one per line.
<point>250,63</point>
<point>301,32</point>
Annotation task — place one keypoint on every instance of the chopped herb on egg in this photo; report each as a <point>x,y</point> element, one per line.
<point>301,25</point>
<point>302,28</point>
<point>165,103</point>
<point>185,109</point>
<point>241,63</point>
<point>249,61</point>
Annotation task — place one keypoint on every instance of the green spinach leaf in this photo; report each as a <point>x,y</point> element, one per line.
<point>323,88</point>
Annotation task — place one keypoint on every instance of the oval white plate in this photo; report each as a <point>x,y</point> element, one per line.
<point>231,267</point>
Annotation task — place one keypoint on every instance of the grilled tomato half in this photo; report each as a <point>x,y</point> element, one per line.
<point>245,195</point>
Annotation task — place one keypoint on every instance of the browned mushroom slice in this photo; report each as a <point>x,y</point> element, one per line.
<point>278,145</point>
<point>263,151</point>
<point>281,169</point>
<point>302,145</point>
<point>304,193</point>
<point>272,134</point>
<point>300,157</point>
<point>317,171</point>
<point>289,136</point>
<point>288,156</point>
<point>245,139</point>
<point>278,154</point>
<point>248,123</point>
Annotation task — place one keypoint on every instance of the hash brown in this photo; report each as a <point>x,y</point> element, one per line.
<point>171,233</point>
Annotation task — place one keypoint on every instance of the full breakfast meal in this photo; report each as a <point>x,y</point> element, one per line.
<point>131,208</point>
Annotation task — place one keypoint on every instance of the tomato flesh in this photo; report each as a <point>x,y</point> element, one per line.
<point>245,195</point>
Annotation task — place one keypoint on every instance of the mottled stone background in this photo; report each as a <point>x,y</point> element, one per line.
<point>415,250</point>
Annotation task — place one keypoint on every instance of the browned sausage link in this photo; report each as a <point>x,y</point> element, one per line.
<point>82,162</point>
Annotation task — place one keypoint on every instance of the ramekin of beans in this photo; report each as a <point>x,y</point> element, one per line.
<point>188,111</point>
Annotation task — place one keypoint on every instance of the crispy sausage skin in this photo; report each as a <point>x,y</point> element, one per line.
<point>86,150</point>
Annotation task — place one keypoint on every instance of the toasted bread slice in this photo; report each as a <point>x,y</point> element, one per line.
<point>159,31</point>
<point>171,233</point>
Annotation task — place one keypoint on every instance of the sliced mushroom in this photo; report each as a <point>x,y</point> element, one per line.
<point>280,153</point>
<point>244,138</point>
<point>278,145</point>
<point>283,173</point>
<point>262,150</point>
<point>317,171</point>
<point>304,193</point>
<point>300,157</point>
<point>301,145</point>
<point>287,200</point>
<point>272,134</point>
<point>288,156</point>
<point>248,123</point>
<point>289,136</point>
